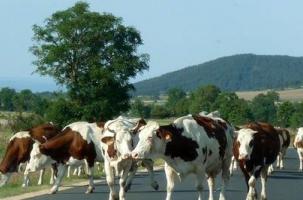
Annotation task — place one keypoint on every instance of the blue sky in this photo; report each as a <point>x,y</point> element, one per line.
<point>176,34</point>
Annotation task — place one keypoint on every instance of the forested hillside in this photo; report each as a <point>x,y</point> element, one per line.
<point>232,73</point>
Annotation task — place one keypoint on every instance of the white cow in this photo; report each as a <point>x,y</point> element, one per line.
<point>78,141</point>
<point>118,140</point>
<point>298,143</point>
<point>197,145</point>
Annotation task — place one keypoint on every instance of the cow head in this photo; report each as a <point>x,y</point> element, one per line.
<point>116,138</point>
<point>245,140</point>
<point>37,159</point>
<point>152,140</point>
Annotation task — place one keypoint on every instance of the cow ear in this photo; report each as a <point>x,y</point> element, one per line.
<point>107,140</point>
<point>164,135</point>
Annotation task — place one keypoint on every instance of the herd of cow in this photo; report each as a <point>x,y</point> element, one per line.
<point>203,144</point>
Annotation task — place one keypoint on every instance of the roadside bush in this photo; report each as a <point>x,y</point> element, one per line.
<point>25,121</point>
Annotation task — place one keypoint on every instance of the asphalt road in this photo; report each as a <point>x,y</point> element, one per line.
<point>284,184</point>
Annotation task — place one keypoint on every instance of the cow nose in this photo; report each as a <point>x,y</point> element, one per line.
<point>243,157</point>
<point>135,155</point>
<point>126,156</point>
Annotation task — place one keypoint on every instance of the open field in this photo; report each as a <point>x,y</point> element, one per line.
<point>285,95</point>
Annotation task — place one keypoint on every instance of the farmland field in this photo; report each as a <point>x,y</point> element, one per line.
<point>285,95</point>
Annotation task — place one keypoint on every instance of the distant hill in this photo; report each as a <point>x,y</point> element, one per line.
<point>243,72</point>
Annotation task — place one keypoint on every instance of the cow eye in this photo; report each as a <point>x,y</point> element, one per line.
<point>251,143</point>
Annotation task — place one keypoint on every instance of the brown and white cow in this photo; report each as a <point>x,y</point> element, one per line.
<point>284,137</point>
<point>19,148</point>
<point>76,142</point>
<point>117,144</point>
<point>256,148</point>
<point>195,144</point>
<point>298,144</point>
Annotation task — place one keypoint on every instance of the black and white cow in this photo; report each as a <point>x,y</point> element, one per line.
<point>192,144</point>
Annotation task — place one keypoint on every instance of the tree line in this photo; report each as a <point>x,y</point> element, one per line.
<point>263,107</point>
<point>233,73</point>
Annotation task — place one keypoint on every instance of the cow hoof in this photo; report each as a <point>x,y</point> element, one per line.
<point>114,197</point>
<point>127,187</point>
<point>90,190</point>
<point>155,185</point>
<point>53,190</point>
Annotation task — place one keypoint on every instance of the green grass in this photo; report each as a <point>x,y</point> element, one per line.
<point>14,186</point>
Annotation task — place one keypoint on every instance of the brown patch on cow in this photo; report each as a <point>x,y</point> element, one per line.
<point>100,124</point>
<point>298,144</point>
<point>266,142</point>
<point>110,143</point>
<point>17,151</point>
<point>139,124</point>
<point>177,144</point>
<point>165,134</point>
<point>214,129</point>
<point>68,144</point>
<point>44,132</point>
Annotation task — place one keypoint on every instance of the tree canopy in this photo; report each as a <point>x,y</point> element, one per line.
<point>94,55</point>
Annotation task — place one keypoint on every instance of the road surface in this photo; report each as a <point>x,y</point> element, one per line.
<point>284,184</point>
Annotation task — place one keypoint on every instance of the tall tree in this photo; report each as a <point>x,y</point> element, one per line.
<point>94,55</point>
<point>175,97</point>
<point>6,97</point>
<point>263,107</point>
<point>203,98</point>
<point>284,112</point>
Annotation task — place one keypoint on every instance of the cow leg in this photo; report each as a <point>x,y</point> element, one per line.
<point>79,170</point>
<point>282,158</point>
<point>225,177</point>
<point>52,176</point>
<point>25,177</point>
<point>68,171</point>
<point>263,182</point>
<point>54,173</point>
<point>131,175</point>
<point>123,177</point>
<point>4,178</point>
<point>300,158</point>
<point>61,172</point>
<point>231,167</point>
<point>211,184</point>
<point>251,191</point>
<point>40,181</point>
<point>110,179</point>
<point>270,169</point>
<point>149,165</point>
<point>252,194</point>
<point>91,187</point>
<point>170,178</point>
<point>279,157</point>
